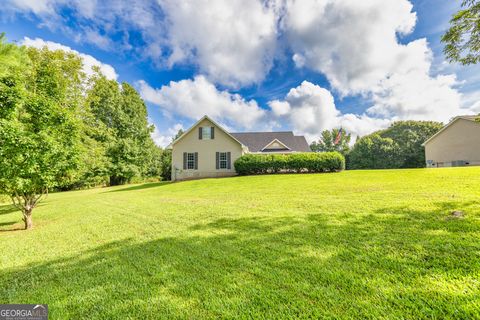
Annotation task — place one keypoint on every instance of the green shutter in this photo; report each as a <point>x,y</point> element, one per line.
<point>212,132</point>
<point>184,161</point>
<point>229,157</point>
<point>200,133</point>
<point>217,157</point>
<point>196,160</point>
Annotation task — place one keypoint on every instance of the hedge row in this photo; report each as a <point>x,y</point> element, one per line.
<point>294,162</point>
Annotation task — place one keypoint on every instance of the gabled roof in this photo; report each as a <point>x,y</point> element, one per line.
<point>197,123</point>
<point>468,118</point>
<point>257,141</point>
<point>275,141</point>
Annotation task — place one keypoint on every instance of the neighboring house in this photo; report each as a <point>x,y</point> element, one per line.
<point>208,150</point>
<point>457,144</point>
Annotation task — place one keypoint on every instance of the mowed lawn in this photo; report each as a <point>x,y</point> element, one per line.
<point>356,244</point>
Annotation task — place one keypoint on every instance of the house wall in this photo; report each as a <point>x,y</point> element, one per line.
<point>206,153</point>
<point>458,142</point>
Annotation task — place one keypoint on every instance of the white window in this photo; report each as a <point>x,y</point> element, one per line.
<point>190,160</point>
<point>223,160</point>
<point>206,133</point>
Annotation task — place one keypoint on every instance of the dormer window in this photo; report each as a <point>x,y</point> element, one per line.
<point>206,133</point>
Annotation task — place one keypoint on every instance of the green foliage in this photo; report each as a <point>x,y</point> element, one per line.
<point>462,39</point>
<point>294,162</point>
<point>399,146</point>
<point>178,135</point>
<point>326,143</point>
<point>61,130</point>
<point>166,165</point>
<point>122,115</point>
<point>375,152</point>
<point>39,130</point>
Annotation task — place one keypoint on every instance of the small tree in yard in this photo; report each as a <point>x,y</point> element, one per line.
<point>38,124</point>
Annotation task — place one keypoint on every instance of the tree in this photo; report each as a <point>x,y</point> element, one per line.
<point>123,114</point>
<point>409,136</point>
<point>38,124</point>
<point>399,146</point>
<point>178,135</point>
<point>166,164</point>
<point>166,159</point>
<point>326,143</point>
<point>374,152</point>
<point>462,39</point>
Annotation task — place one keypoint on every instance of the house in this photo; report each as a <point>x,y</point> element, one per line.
<point>456,144</point>
<point>208,150</point>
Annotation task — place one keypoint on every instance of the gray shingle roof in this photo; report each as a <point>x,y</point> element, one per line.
<point>256,141</point>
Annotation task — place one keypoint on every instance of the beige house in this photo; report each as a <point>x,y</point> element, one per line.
<point>208,150</point>
<point>456,144</point>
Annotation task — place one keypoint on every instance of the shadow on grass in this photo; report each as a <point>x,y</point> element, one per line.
<point>7,223</point>
<point>398,263</point>
<point>142,186</point>
<point>6,209</point>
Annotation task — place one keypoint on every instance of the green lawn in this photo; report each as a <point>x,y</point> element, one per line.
<point>356,244</point>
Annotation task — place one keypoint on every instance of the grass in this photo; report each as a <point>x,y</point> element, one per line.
<point>357,244</point>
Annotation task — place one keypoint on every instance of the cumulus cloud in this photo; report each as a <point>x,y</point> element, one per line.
<point>198,97</point>
<point>358,45</point>
<point>163,139</point>
<point>88,61</point>
<point>232,42</point>
<point>307,109</point>
<point>355,44</point>
<point>310,109</point>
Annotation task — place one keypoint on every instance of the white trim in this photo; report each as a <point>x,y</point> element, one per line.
<point>205,117</point>
<point>280,142</point>
<point>445,127</point>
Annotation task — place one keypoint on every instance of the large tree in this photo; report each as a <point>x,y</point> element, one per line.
<point>462,39</point>
<point>123,114</point>
<point>399,146</point>
<point>39,129</point>
<point>374,152</point>
<point>332,140</point>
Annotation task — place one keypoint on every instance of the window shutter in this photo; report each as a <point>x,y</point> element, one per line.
<point>196,160</point>
<point>212,132</point>
<point>217,157</point>
<point>200,133</point>
<point>229,157</point>
<point>184,161</point>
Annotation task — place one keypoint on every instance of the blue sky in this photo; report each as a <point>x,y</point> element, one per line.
<point>303,65</point>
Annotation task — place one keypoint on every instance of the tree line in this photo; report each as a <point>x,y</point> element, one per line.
<point>399,146</point>
<point>61,129</point>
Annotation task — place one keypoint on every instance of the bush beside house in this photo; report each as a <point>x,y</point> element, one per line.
<point>289,163</point>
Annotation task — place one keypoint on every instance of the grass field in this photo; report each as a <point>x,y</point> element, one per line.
<point>356,244</point>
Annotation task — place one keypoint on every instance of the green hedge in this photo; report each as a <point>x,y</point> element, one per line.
<point>294,162</point>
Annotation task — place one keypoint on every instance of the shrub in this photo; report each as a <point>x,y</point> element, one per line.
<point>294,162</point>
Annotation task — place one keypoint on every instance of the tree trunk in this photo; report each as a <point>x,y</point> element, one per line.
<point>27,218</point>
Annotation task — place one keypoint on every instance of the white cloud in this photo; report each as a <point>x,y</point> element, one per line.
<point>163,139</point>
<point>198,97</point>
<point>471,102</point>
<point>232,42</point>
<point>355,44</point>
<point>310,109</point>
<point>38,7</point>
<point>88,61</point>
